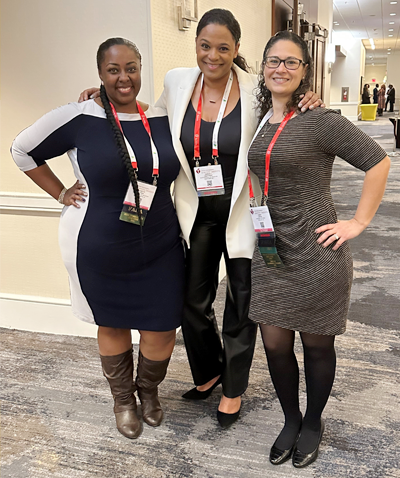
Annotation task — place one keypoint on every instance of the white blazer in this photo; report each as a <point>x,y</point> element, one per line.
<point>178,89</point>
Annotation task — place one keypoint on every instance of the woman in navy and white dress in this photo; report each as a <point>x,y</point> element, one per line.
<point>123,276</point>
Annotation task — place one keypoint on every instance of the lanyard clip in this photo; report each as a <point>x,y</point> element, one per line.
<point>197,161</point>
<point>155,178</point>
<point>215,159</point>
<point>253,202</point>
<point>264,200</point>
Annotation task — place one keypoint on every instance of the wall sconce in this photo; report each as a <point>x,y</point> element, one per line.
<point>184,15</point>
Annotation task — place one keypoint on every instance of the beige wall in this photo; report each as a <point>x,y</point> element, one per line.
<point>48,56</point>
<point>173,48</point>
<point>377,72</point>
<point>347,72</point>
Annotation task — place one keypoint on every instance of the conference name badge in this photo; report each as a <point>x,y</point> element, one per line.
<point>129,211</point>
<point>265,233</point>
<point>209,180</point>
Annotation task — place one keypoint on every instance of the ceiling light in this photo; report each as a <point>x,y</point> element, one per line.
<point>389,53</point>
<point>392,14</point>
<point>393,3</point>
<point>389,49</point>
<point>390,29</point>
<point>371,41</point>
<point>391,23</point>
<point>390,35</point>
<point>373,64</point>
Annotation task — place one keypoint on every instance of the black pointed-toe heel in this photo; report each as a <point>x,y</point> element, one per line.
<point>300,459</point>
<point>195,394</point>
<point>227,419</point>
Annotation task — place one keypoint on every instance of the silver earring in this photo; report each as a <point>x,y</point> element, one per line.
<point>102,82</point>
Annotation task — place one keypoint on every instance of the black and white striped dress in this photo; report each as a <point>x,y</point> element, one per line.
<point>312,292</point>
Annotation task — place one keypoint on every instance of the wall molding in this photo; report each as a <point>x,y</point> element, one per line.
<point>345,103</point>
<point>29,204</point>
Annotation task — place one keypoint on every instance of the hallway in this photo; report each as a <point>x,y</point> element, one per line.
<point>57,419</point>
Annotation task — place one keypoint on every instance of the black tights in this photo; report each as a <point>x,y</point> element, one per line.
<point>319,365</point>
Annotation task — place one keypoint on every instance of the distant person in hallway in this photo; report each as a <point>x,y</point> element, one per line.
<point>391,96</point>
<point>301,283</point>
<point>125,262</point>
<point>216,225</point>
<point>366,96</point>
<point>381,99</point>
<point>375,93</point>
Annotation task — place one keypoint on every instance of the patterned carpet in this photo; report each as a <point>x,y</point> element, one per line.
<point>57,418</point>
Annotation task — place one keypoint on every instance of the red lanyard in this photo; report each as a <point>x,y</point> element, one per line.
<point>268,157</point>
<point>217,124</point>
<point>147,128</point>
<point>197,125</point>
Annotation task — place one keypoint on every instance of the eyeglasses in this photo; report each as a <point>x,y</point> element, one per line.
<point>290,63</point>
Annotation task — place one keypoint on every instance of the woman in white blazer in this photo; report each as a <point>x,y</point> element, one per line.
<point>216,225</point>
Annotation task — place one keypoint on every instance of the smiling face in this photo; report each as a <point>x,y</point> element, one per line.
<point>120,72</point>
<point>280,81</point>
<point>215,50</point>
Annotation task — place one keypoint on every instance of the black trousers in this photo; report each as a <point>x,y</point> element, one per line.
<point>208,357</point>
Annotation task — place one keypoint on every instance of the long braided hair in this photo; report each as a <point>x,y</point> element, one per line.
<point>263,95</point>
<point>118,137</point>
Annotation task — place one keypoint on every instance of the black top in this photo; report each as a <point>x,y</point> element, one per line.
<point>228,140</point>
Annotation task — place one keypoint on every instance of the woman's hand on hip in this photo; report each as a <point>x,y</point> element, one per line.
<point>338,233</point>
<point>310,101</point>
<point>89,94</point>
<point>75,193</point>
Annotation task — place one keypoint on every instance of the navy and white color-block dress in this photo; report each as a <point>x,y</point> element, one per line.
<point>119,275</point>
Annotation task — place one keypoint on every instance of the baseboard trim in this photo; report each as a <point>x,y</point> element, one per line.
<point>46,315</point>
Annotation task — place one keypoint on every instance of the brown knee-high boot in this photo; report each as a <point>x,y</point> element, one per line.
<point>118,370</point>
<point>150,374</point>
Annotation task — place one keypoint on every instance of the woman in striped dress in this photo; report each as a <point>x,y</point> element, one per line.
<point>310,293</point>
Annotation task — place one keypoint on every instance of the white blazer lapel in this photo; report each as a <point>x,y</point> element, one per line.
<point>184,93</point>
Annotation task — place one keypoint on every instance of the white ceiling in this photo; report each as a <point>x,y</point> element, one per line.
<point>366,19</point>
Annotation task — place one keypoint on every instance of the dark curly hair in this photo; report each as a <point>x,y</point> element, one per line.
<point>263,95</point>
<point>225,18</point>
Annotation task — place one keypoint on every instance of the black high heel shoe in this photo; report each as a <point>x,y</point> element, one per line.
<point>278,456</point>
<point>300,459</point>
<point>195,394</point>
<point>227,419</point>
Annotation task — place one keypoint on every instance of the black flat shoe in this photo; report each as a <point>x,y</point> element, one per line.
<point>300,459</point>
<point>195,394</point>
<point>227,419</point>
<point>278,456</point>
